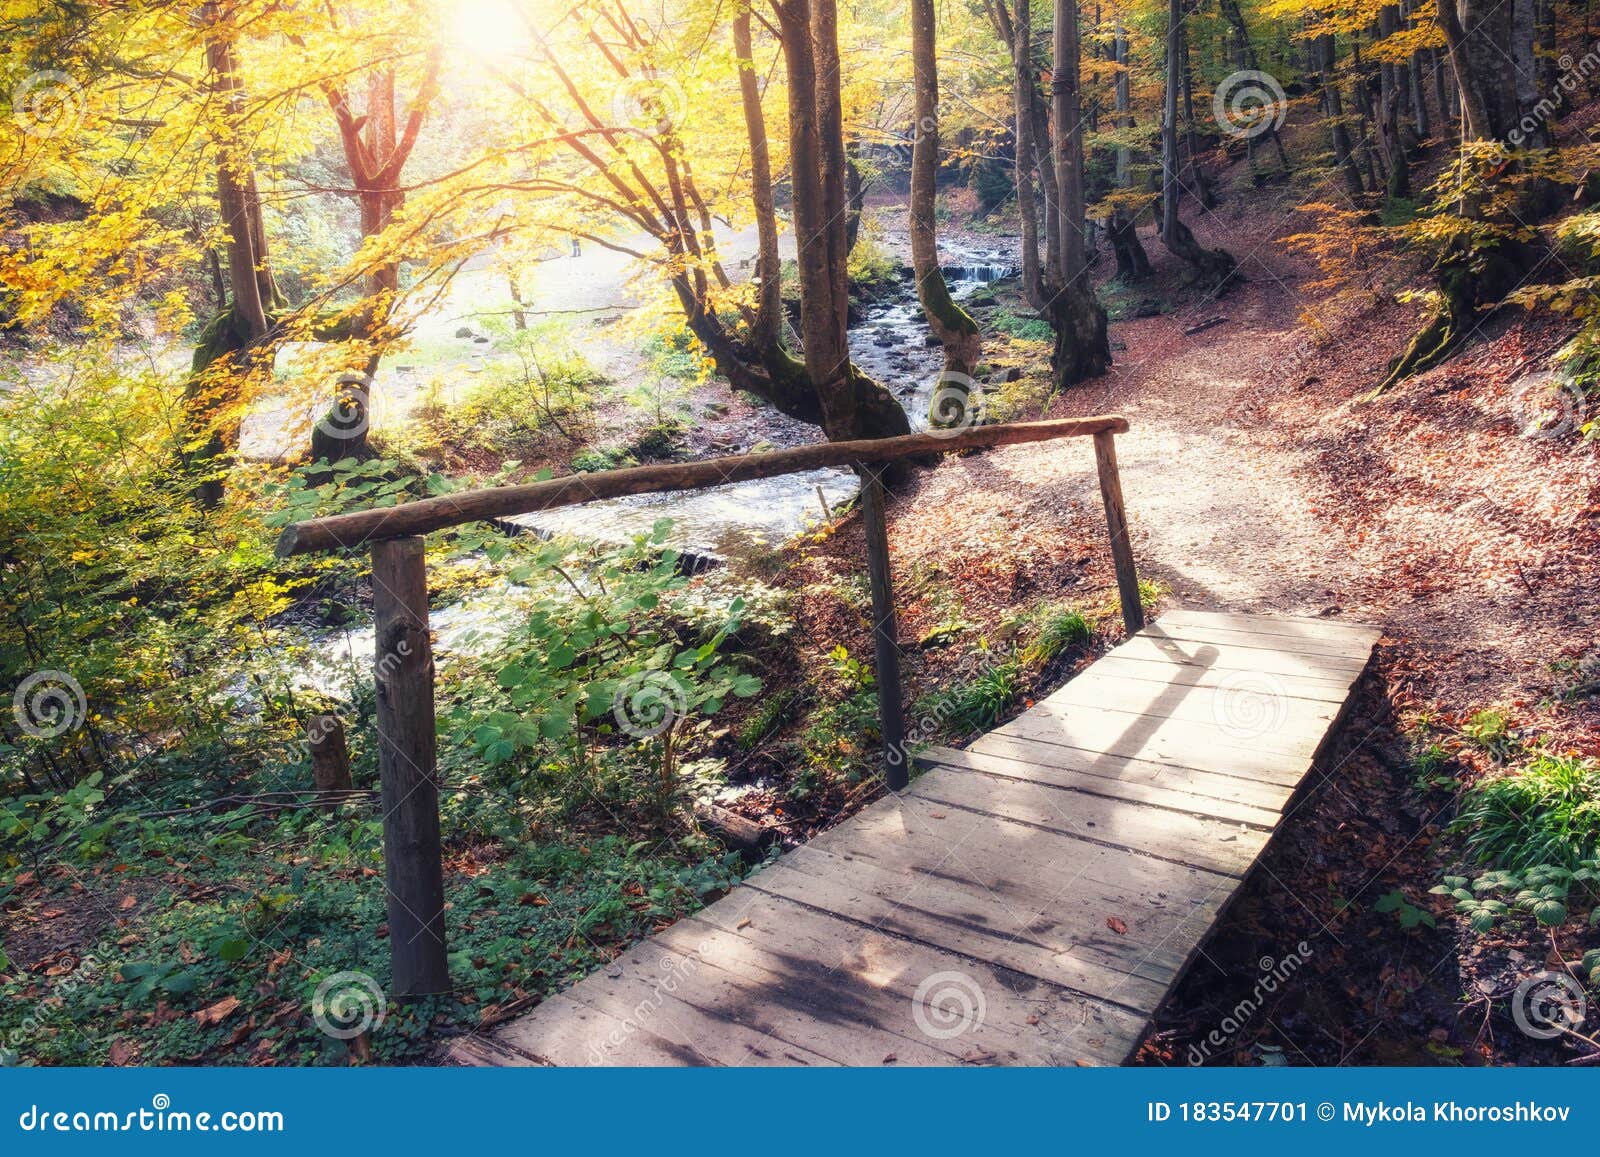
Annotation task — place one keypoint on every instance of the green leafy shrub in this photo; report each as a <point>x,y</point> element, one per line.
<point>871,265</point>
<point>1489,729</point>
<point>1547,813</point>
<point>1546,892</point>
<point>595,458</point>
<point>1409,916</point>
<point>605,671</point>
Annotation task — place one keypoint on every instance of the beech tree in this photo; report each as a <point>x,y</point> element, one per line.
<point>955,329</point>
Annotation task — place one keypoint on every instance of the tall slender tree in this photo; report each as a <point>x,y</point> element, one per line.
<point>1212,268</point>
<point>952,325</point>
<point>1082,346</point>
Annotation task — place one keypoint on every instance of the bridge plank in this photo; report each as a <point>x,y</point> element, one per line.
<point>1225,797</point>
<point>1231,657</point>
<point>1203,842</point>
<point>1053,880</point>
<point>1242,708</point>
<point>1327,688</point>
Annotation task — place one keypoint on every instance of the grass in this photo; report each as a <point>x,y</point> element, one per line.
<point>1548,813</point>
<point>978,703</point>
<point>1061,629</point>
<point>1027,328</point>
<point>253,926</point>
<point>771,714</point>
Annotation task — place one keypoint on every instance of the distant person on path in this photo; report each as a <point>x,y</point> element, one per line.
<point>577,250</point>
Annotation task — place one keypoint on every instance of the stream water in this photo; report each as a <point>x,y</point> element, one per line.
<point>889,343</point>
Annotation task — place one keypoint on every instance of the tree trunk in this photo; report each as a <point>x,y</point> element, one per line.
<point>1441,89</point>
<point>851,404</point>
<point>951,324</point>
<point>1333,106</point>
<point>376,148</point>
<point>1234,15</point>
<point>1473,274</point>
<point>212,397</point>
<point>855,195</point>
<point>769,302</point>
<point>1049,187</point>
<point>1082,348</point>
<point>1133,264</point>
<point>1017,35</point>
<point>1419,102</point>
<point>1211,268</point>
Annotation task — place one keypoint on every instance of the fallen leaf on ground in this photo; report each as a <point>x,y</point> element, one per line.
<point>219,1011</point>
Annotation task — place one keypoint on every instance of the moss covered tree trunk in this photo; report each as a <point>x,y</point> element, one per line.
<point>1474,273</point>
<point>1082,346</point>
<point>851,404</point>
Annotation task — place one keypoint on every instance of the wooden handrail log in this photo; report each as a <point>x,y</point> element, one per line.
<point>428,514</point>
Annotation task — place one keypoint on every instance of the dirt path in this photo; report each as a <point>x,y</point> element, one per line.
<point>1256,479</point>
<point>1227,521</point>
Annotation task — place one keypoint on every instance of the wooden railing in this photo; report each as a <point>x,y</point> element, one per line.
<point>407,754</point>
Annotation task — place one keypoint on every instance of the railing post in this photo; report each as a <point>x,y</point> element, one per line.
<point>885,634</point>
<point>1105,459</point>
<point>408,767</point>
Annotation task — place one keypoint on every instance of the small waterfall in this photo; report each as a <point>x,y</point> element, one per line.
<point>979,274</point>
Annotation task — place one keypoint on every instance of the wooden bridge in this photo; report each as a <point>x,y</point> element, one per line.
<point>1030,899</point>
